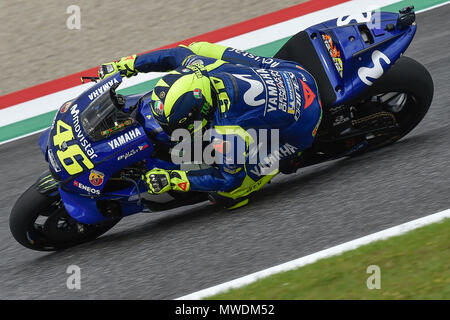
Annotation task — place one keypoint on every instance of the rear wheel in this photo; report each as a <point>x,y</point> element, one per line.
<point>40,222</point>
<point>404,93</point>
<point>383,114</point>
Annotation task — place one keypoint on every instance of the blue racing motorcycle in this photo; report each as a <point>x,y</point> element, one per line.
<point>101,143</point>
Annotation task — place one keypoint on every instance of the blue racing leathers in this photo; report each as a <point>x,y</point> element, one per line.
<point>251,93</point>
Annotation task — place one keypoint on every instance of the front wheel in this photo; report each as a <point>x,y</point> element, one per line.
<point>41,223</point>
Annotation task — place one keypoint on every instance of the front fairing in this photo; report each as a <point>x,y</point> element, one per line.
<point>84,166</point>
<point>77,154</point>
<point>84,175</point>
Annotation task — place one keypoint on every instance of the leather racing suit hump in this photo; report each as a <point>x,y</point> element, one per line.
<point>250,93</point>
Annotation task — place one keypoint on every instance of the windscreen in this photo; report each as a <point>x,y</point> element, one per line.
<point>102,118</point>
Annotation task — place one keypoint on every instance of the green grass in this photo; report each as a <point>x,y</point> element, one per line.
<point>415,265</point>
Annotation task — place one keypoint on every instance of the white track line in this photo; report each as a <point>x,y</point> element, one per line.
<point>294,264</point>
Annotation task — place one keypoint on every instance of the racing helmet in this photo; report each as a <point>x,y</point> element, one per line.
<point>182,97</point>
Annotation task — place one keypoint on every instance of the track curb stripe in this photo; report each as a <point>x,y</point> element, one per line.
<point>213,36</point>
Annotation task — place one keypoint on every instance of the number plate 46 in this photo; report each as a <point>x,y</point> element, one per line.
<point>66,154</point>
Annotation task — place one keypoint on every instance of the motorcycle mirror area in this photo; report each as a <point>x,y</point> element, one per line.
<point>406,17</point>
<point>93,79</point>
<point>118,99</point>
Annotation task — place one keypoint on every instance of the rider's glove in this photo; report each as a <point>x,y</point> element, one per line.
<point>126,65</point>
<point>160,181</point>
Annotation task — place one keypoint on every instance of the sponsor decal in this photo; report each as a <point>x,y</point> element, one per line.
<point>81,186</point>
<point>79,134</point>
<point>143,146</point>
<point>65,107</point>
<point>158,107</point>
<point>271,63</point>
<point>272,92</point>
<point>128,154</point>
<point>96,178</point>
<point>293,94</point>
<point>283,99</point>
<point>183,186</point>
<point>132,152</point>
<point>53,163</point>
<point>256,88</point>
<point>254,186</point>
<point>335,54</point>
<point>124,138</point>
<point>198,93</point>
<point>266,165</point>
<point>129,58</point>
<point>364,73</point>
<point>308,94</point>
<point>97,92</point>
<point>282,91</point>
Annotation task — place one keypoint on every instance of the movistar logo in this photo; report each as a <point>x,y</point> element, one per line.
<point>376,71</point>
<point>256,88</point>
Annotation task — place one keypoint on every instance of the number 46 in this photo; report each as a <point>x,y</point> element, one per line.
<point>64,134</point>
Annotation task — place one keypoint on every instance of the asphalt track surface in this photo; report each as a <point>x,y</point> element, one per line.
<point>167,255</point>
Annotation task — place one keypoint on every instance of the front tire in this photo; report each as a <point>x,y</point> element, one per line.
<point>41,223</point>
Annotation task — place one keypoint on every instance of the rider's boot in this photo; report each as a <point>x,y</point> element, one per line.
<point>227,202</point>
<point>291,164</point>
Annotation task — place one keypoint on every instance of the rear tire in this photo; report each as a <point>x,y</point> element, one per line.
<point>411,84</point>
<point>404,92</point>
<point>49,236</point>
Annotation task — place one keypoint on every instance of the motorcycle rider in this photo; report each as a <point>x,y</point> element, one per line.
<point>230,91</point>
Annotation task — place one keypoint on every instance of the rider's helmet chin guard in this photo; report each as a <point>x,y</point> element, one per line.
<point>183,97</point>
